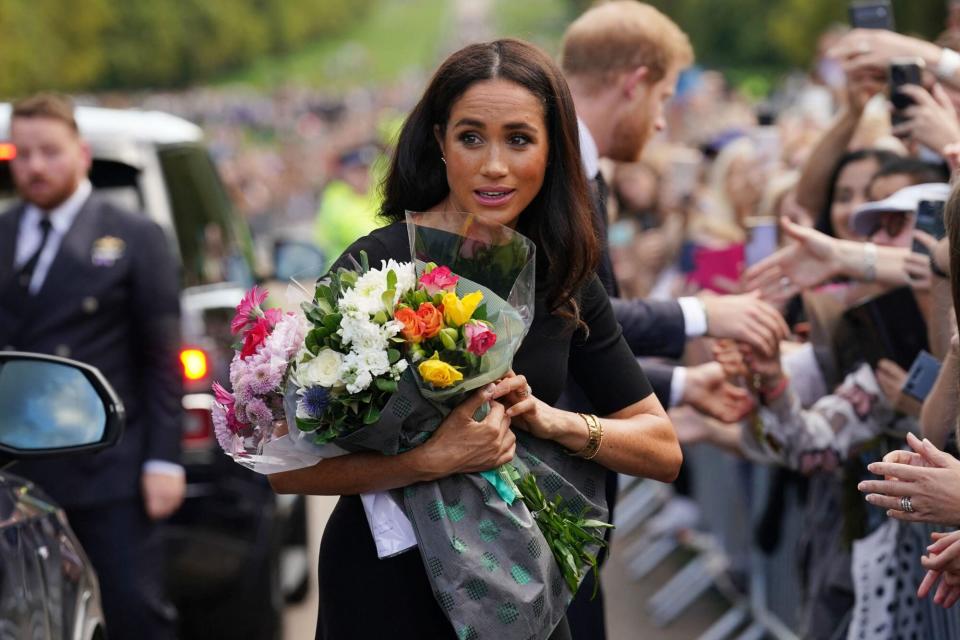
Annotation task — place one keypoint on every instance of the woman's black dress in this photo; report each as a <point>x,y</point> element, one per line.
<point>366,598</point>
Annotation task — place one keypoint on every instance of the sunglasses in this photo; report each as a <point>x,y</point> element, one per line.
<point>892,222</point>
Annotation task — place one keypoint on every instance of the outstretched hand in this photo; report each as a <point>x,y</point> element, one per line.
<point>809,261</point>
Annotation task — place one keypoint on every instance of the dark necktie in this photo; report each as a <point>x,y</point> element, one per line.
<point>602,193</point>
<point>25,273</point>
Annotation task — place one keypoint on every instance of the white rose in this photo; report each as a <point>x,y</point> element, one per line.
<point>323,370</point>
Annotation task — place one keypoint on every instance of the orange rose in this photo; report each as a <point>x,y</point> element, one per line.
<point>412,328</point>
<point>431,319</point>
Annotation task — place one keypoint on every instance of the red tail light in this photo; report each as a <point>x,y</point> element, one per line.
<point>7,151</point>
<point>197,422</point>
<point>194,363</point>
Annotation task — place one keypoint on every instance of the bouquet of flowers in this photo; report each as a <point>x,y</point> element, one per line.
<point>387,353</point>
<point>245,420</point>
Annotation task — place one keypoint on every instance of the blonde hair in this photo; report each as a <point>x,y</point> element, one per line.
<point>620,36</point>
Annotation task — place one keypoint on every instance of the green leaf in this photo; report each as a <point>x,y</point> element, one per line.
<point>393,355</point>
<point>312,343</point>
<point>323,292</point>
<point>364,262</point>
<point>348,280</point>
<point>480,313</point>
<point>308,424</point>
<point>332,321</point>
<point>372,415</point>
<point>381,317</point>
<point>391,280</point>
<point>387,299</point>
<point>386,385</point>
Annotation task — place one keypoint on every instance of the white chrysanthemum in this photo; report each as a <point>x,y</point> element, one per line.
<point>361,333</point>
<point>406,276</point>
<point>366,296</point>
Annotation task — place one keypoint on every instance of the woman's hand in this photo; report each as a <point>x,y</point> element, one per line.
<point>464,445</point>
<point>933,485</point>
<point>874,48</point>
<point>808,261</point>
<point>932,120</point>
<point>526,410</point>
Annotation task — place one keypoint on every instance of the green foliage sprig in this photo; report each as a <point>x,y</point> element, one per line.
<point>568,534</point>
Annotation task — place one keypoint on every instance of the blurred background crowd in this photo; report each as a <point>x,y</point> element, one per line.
<point>804,162</point>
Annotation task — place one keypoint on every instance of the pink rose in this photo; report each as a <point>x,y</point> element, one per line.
<point>479,337</point>
<point>439,280</point>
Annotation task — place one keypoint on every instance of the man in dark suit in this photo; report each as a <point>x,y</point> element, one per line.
<point>622,60</point>
<point>83,279</point>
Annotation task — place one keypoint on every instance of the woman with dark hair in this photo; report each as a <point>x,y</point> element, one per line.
<point>495,134</point>
<point>847,190</point>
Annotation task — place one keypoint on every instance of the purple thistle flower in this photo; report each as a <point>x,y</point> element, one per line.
<point>315,401</point>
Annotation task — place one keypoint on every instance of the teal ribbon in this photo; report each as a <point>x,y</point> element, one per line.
<point>500,478</point>
<point>502,482</point>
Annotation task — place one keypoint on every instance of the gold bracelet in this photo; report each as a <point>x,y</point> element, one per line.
<point>594,437</point>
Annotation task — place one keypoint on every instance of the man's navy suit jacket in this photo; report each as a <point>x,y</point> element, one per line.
<point>120,313</point>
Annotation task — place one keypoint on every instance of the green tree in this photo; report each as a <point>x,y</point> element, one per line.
<point>48,45</point>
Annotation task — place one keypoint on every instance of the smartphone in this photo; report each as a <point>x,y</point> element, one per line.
<point>929,219</point>
<point>921,376</point>
<point>871,15</point>
<point>762,239</point>
<point>903,71</point>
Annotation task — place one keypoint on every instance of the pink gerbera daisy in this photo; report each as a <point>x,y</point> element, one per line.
<point>248,311</point>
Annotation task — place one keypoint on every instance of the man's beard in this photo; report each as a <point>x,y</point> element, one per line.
<point>630,136</point>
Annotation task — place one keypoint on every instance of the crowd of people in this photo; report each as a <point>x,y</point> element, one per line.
<point>836,222</point>
<point>782,272</point>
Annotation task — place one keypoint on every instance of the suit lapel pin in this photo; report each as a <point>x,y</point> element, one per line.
<point>107,250</point>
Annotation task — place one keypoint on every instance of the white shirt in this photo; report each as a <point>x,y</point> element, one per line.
<point>29,237</point>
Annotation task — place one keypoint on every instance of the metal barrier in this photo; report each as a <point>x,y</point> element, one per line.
<point>730,494</point>
<point>763,590</point>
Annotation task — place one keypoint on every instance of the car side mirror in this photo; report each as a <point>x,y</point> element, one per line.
<point>51,406</point>
<point>297,259</point>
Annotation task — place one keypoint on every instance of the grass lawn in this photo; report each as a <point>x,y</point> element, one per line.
<point>538,21</point>
<point>397,37</point>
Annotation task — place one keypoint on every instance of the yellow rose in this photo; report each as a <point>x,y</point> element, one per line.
<point>456,311</point>
<point>439,373</point>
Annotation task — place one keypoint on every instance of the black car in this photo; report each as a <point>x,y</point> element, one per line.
<point>49,406</point>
